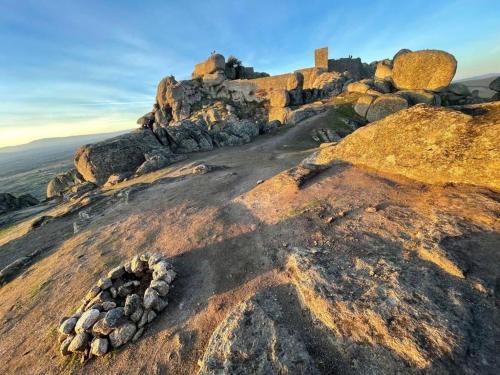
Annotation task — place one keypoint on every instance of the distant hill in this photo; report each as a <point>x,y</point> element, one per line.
<point>21,158</point>
<point>480,83</point>
<point>490,76</point>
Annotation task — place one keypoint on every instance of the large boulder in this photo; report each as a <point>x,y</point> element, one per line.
<point>459,89</point>
<point>495,84</point>
<point>435,145</point>
<point>424,70</point>
<point>384,70</point>
<point>385,105</point>
<point>419,96</point>
<point>123,154</point>
<point>63,182</point>
<point>358,87</point>
<point>8,202</point>
<point>329,83</point>
<point>363,104</point>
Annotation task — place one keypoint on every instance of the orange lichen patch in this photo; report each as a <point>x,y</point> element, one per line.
<point>441,261</point>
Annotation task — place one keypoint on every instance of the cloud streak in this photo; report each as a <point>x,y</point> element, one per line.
<point>77,66</point>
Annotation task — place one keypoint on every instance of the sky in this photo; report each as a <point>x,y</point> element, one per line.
<point>81,67</point>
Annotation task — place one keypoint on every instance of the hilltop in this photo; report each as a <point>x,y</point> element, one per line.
<point>337,219</point>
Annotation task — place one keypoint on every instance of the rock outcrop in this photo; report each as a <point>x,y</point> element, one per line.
<point>125,153</point>
<point>244,341</point>
<point>495,86</point>
<point>423,70</point>
<point>63,182</point>
<point>8,202</point>
<point>416,77</point>
<point>430,144</point>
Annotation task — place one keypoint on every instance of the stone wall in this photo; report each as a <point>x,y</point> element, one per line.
<point>310,75</point>
<point>352,65</point>
<point>267,84</point>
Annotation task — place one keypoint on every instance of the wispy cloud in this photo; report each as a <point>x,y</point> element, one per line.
<point>74,66</point>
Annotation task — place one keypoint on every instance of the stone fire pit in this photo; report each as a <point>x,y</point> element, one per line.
<point>118,307</point>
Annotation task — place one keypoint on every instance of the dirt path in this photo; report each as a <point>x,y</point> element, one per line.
<point>229,238</point>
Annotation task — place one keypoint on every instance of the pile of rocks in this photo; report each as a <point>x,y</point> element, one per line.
<point>118,307</point>
<point>8,202</point>
<point>408,79</point>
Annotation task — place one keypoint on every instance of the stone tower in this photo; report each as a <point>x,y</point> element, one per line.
<point>321,57</point>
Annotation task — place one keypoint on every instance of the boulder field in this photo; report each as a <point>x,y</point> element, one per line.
<point>227,104</point>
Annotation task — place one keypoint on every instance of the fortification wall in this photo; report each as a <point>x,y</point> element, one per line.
<point>353,66</point>
<point>278,82</point>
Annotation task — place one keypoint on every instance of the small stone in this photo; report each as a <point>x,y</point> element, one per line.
<point>62,337</point>
<point>136,316</point>
<point>160,286</point>
<point>371,209</point>
<point>100,298</point>
<point>92,293</point>
<point>101,329</point>
<point>64,348</point>
<point>138,334</point>
<point>128,288</point>
<point>96,306</point>
<point>132,302</point>
<point>79,342</point>
<point>151,298</point>
<point>137,265</point>
<point>99,346</point>
<point>113,317</point>
<point>161,305</point>
<point>153,259</point>
<point>127,267</point>
<point>145,257</point>
<point>81,309</point>
<point>330,219</point>
<point>160,269</point>
<point>86,321</point>
<point>113,291</point>
<point>144,319</point>
<point>170,276</point>
<point>116,272</point>
<point>68,326</point>
<point>151,316</point>
<point>108,305</point>
<point>259,182</point>
<point>105,283</point>
<point>122,334</point>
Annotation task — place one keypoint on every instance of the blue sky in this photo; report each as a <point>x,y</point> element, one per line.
<point>81,67</point>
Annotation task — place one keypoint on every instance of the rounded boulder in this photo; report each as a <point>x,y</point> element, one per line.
<point>385,105</point>
<point>424,70</point>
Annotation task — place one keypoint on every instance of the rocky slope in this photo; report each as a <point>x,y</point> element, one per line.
<point>283,265</point>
